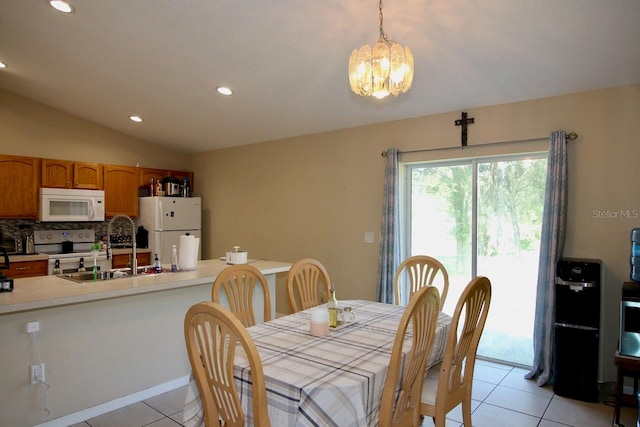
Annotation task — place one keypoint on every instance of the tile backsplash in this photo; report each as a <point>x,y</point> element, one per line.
<point>12,228</point>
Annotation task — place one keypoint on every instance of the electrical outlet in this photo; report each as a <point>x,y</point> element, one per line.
<point>33,327</point>
<point>37,373</point>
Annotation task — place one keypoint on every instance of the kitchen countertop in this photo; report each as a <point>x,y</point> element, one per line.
<point>51,291</point>
<point>32,257</point>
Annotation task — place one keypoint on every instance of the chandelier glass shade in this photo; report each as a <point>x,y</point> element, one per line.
<point>385,69</point>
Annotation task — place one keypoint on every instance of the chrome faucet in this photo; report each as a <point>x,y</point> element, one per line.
<point>134,260</point>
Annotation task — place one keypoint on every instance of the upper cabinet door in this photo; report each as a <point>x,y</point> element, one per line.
<point>87,175</point>
<point>18,186</point>
<point>57,173</point>
<point>121,190</point>
<point>67,174</point>
<point>146,174</point>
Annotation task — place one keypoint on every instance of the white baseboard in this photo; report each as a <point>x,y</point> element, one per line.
<point>121,402</point>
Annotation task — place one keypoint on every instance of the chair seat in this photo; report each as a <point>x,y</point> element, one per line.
<point>430,385</point>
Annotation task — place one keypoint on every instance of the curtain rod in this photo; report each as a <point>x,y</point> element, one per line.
<point>571,136</point>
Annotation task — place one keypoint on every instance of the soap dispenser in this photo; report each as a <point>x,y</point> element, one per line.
<point>157,267</point>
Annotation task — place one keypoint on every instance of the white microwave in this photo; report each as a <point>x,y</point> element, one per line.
<point>65,204</point>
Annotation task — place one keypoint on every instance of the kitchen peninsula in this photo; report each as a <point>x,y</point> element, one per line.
<point>105,344</point>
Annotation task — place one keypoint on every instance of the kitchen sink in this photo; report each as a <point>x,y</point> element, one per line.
<point>87,276</point>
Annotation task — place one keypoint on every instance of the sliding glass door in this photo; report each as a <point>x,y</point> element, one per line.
<point>483,217</point>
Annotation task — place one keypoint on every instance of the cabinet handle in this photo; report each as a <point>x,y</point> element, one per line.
<point>23,268</point>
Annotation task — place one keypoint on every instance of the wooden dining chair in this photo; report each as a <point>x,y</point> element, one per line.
<point>449,383</point>
<point>211,334</point>
<point>403,408</point>
<point>238,282</point>
<point>421,270</point>
<point>307,284</point>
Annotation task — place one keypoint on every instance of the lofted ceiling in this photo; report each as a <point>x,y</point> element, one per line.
<point>286,60</point>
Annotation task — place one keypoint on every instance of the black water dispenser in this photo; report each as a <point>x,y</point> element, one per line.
<point>577,328</point>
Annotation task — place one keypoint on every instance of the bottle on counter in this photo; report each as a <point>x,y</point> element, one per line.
<point>332,306</point>
<point>81,266</point>
<point>186,191</point>
<point>157,267</point>
<point>174,258</point>
<point>56,267</point>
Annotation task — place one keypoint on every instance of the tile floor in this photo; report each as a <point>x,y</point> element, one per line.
<point>501,398</point>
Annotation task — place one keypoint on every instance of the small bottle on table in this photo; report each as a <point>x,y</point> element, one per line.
<point>332,306</point>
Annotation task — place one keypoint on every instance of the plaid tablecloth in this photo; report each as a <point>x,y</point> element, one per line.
<point>335,380</point>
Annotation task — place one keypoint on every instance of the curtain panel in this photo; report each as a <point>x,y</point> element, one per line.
<point>551,247</point>
<point>390,230</point>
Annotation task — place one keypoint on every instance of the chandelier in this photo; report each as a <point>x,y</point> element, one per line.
<point>385,69</point>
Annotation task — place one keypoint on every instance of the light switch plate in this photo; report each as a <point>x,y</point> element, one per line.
<point>368,236</point>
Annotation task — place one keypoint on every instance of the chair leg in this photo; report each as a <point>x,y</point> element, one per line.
<point>466,412</point>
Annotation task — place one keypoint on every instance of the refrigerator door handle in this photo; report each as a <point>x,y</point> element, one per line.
<point>160,218</point>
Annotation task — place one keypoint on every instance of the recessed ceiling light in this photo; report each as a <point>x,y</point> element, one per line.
<point>224,90</point>
<point>136,119</point>
<point>62,6</point>
<point>3,65</point>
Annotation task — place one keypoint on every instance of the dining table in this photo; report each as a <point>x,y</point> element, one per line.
<point>332,380</point>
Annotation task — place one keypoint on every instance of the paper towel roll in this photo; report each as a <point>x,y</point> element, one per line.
<point>188,252</point>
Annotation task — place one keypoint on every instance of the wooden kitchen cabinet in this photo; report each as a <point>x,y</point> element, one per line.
<point>121,260</point>
<point>159,174</point>
<point>87,175</point>
<point>147,173</point>
<point>67,174</point>
<point>181,175</point>
<point>27,269</point>
<point>18,186</point>
<point>120,190</point>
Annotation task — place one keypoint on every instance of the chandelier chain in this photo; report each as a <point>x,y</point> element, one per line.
<point>383,36</point>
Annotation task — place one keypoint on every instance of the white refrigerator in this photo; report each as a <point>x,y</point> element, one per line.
<point>168,218</point>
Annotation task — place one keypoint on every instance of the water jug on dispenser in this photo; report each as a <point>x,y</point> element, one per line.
<point>635,254</point>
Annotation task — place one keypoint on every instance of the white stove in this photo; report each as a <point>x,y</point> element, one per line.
<point>70,250</point>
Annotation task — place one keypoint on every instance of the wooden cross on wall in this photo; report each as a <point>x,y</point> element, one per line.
<point>464,121</point>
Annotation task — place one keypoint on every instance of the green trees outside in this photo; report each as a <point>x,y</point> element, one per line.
<point>510,202</point>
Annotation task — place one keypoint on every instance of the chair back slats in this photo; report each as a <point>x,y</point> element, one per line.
<point>403,408</point>
<point>455,380</point>
<point>474,301</point>
<point>212,334</point>
<point>239,282</point>
<point>216,342</point>
<point>420,271</point>
<point>307,283</point>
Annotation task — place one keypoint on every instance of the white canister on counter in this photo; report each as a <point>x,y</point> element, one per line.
<point>236,256</point>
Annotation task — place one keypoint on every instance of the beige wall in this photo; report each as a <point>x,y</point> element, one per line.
<point>28,128</point>
<point>316,195</point>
